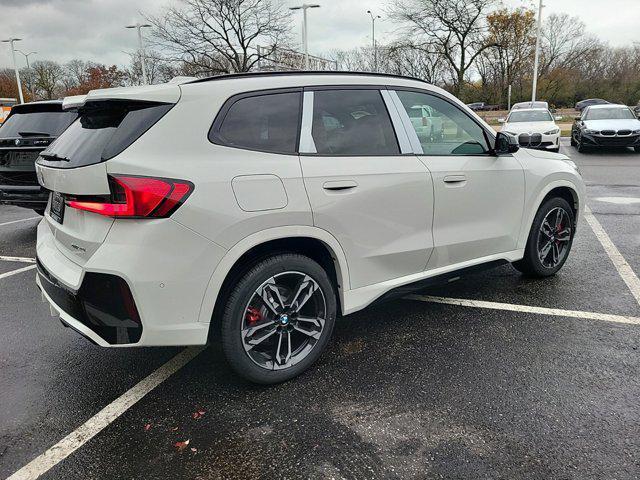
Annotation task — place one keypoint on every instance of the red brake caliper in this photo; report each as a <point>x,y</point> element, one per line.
<point>253,315</point>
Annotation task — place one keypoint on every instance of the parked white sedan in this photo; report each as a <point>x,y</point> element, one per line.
<point>534,127</point>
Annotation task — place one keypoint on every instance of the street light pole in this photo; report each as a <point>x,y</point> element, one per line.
<point>373,37</point>
<point>26,57</point>
<point>139,26</point>
<point>536,60</point>
<point>15,65</point>
<point>305,31</point>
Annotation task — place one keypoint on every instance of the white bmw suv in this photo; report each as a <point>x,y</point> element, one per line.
<point>256,208</point>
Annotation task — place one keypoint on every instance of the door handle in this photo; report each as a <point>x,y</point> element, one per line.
<point>338,185</point>
<point>455,179</point>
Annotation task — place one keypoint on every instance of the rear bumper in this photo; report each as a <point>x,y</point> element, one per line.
<point>165,267</point>
<point>103,305</point>
<point>29,196</point>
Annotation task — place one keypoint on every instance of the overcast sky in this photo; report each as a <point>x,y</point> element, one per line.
<point>94,29</point>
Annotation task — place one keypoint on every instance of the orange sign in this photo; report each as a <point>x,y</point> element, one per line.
<point>4,113</point>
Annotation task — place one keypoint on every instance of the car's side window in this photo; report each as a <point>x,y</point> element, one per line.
<point>266,122</point>
<point>352,122</point>
<point>442,128</point>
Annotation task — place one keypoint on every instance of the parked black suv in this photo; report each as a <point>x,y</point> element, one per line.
<point>29,129</point>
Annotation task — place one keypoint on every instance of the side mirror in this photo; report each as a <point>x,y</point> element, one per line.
<point>552,110</point>
<point>557,118</point>
<point>577,118</point>
<point>501,120</point>
<point>506,143</point>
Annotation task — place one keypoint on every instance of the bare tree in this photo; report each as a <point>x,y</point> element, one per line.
<point>454,29</point>
<point>47,78</point>
<point>216,36</point>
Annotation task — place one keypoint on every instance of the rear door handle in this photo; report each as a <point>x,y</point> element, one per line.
<point>455,179</point>
<point>338,185</point>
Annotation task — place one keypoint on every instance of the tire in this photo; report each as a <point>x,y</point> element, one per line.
<point>581,147</point>
<point>573,140</point>
<point>532,264</point>
<point>555,150</point>
<point>636,149</point>
<point>247,309</point>
<point>39,211</point>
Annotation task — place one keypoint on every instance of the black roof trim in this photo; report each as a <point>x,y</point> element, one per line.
<point>303,73</point>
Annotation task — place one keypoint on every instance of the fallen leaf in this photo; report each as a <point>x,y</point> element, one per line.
<point>181,445</point>
<point>194,450</point>
<point>174,429</point>
<point>198,414</point>
<point>147,427</point>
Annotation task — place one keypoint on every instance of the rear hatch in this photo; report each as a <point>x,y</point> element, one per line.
<point>29,129</point>
<point>74,167</point>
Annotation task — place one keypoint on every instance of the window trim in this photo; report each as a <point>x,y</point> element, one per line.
<point>489,136</point>
<point>214,131</point>
<point>308,127</point>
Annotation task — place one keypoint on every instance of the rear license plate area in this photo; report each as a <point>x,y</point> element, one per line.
<point>57,207</point>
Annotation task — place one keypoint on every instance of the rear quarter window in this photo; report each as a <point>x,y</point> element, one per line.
<point>266,122</point>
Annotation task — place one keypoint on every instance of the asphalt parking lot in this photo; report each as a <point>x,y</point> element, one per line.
<point>495,376</point>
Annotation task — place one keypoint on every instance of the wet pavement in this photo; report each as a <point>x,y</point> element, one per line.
<point>407,389</point>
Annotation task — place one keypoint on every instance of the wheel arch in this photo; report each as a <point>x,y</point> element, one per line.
<point>565,189</point>
<point>314,242</point>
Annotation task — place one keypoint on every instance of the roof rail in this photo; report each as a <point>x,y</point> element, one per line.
<point>302,72</point>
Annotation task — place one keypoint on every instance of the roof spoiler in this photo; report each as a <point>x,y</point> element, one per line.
<point>74,101</point>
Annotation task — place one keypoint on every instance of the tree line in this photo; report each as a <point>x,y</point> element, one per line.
<point>475,49</point>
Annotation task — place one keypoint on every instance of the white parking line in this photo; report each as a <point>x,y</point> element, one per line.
<point>624,269</point>
<point>17,259</point>
<point>18,221</point>
<point>103,418</point>
<point>607,317</point>
<point>15,272</point>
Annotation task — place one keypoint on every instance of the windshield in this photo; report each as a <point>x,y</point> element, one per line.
<point>41,124</point>
<point>609,114</point>
<point>529,116</point>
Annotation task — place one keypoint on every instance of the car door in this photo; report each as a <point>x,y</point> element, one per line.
<point>365,185</point>
<point>479,197</point>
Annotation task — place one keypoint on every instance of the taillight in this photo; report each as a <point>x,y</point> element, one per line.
<point>137,197</point>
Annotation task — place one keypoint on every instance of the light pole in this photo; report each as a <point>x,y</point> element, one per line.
<point>15,66</point>
<point>139,26</point>
<point>537,55</point>
<point>26,57</point>
<point>305,36</point>
<point>373,37</point>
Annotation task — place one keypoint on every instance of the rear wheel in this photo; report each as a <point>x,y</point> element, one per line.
<point>636,149</point>
<point>278,319</point>
<point>550,239</point>
<point>573,140</point>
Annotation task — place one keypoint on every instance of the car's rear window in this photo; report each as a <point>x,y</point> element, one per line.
<point>102,131</point>
<point>36,124</point>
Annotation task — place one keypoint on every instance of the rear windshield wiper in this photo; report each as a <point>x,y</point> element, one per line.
<point>54,157</point>
<point>34,134</point>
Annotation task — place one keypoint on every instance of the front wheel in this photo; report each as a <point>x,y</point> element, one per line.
<point>550,239</point>
<point>581,146</point>
<point>278,318</point>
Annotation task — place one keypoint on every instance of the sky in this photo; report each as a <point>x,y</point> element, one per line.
<point>94,29</point>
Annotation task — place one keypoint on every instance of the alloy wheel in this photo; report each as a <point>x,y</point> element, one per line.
<point>554,237</point>
<point>283,320</point>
